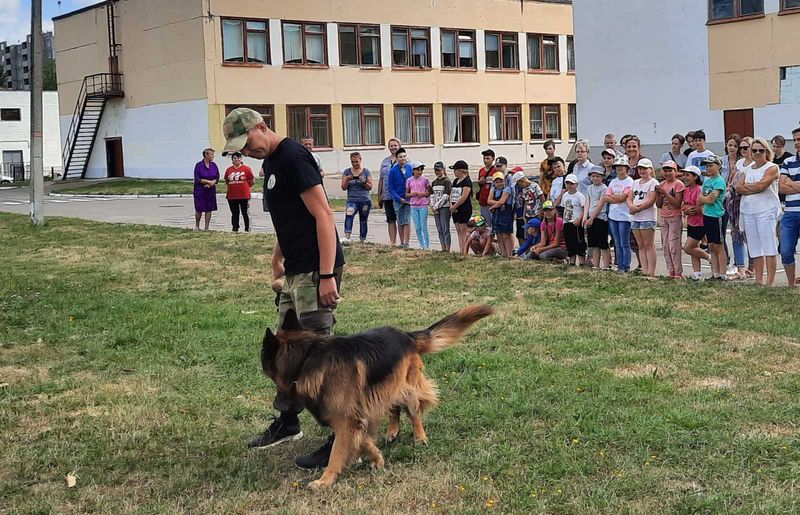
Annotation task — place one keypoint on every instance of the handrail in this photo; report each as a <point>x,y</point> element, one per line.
<point>98,85</point>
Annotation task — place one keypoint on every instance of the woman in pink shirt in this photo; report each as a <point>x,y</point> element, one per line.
<point>418,189</point>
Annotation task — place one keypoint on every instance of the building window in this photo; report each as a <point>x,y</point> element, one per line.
<point>501,51</point>
<point>360,45</point>
<point>313,121</point>
<point>24,69</point>
<point>411,47</point>
<point>266,111</point>
<point>458,48</point>
<point>730,9</point>
<point>26,82</point>
<point>545,122</point>
<point>24,57</point>
<point>573,122</point>
<point>245,41</point>
<point>10,114</point>
<point>505,123</point>
<point>542,52</point>
<point>461,124</point>
<point>413,124</point>
<point>304,44</point>
<point>570,53</point>
<point>790,4</point>
<point>363,125</point>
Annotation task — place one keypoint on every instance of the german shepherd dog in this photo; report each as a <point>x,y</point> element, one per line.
<point>350,382</point>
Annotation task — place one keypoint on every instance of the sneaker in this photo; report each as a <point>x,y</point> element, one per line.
<point>317,459</point>
<point>696,276</point>
<point>275,434</point>
<point>732,270</point>
<point>344,241</point>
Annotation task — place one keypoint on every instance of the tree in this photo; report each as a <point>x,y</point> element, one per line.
<point>49,72</point>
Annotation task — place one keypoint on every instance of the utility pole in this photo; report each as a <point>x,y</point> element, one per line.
<point>37,172</point>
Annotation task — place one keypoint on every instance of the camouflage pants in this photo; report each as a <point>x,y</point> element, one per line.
<point>301,293</point>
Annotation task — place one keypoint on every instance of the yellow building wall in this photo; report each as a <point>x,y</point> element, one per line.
<point>745,59</point>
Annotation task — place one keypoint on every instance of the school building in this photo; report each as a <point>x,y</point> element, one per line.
<point>724,66</point>
<point>144,85</point>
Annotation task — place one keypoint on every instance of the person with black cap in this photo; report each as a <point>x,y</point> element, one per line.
<point>440,204</point>
<point>460,201</point>
<point>485,184</point>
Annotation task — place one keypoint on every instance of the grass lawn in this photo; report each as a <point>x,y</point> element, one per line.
<point>144,187</point>
<point>129,360</point>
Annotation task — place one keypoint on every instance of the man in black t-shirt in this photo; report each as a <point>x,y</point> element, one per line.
<point>308,254</point>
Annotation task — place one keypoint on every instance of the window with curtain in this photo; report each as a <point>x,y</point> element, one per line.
<point>545,122</point>
<point>412,124</point>
<point>245,41</point>
<point>728,9</point>
<point>232,41</point>
<point>363,125</point>
<point>304,43</point>
<point>461,123</point>
<point>410,47</point>
<point>501,51</point>
<point>314,121</point>
<point>266,111</point>
<point>570,53</point>
<point>573,122</point>
<point>492,50</point>
<point>505,122</point>
<point>359,45</point>
<point>790,4</point>
<point>458,48</point>
<point>542,52</point>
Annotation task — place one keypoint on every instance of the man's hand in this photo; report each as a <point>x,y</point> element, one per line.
<point>328,293</point>
<point>380,203</point>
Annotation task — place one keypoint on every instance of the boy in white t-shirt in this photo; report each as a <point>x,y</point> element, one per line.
<point>573,202</point>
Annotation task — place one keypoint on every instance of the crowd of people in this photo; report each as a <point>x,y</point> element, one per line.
<point>604,214</point>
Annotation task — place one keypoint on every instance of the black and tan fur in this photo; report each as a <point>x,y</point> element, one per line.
<point>350,382</point>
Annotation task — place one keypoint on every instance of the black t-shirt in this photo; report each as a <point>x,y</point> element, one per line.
<point>780,159</point>
<point>288,172</point>
<point>465,209</point>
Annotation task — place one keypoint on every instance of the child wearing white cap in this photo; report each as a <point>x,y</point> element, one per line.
<point>418,189</point>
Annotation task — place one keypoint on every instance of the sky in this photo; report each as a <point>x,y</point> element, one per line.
<point>15,16</point>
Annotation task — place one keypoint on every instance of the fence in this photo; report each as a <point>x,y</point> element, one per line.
<point>21,172</point>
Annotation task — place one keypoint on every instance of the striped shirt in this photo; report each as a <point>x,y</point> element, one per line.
<point>791,169</point>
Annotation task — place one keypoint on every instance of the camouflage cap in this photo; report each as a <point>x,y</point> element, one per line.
<point>236,126</point>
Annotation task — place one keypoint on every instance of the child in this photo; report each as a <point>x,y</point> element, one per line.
<point>596,217</point>
<point>712,199</point>
<point>695,231</point>
<point>440,204</point>
<point>532,198</point>
<point>418,189</point>
<point>551,246</point>
<point>500,199</point>
<point>619,217</point>
<point>670,197</point>
<point>557,170</point>
<point>642,205</point>
<point>480,239</point>
<point>573,202</point>
<point>519,203</point>
<point>534,236</point>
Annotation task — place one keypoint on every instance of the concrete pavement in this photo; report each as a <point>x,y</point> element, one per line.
<point>179,212</point>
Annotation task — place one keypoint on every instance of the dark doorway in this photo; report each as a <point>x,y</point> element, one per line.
<point>739,121</point>
<point>114,163</point>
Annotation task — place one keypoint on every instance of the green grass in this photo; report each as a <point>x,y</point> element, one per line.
<point>129,357</point>
<point>144,187</point>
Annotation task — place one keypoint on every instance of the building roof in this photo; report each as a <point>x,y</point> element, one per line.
<point>78,11</point>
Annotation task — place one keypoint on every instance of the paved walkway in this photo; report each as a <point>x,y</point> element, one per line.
<point>179,212</point>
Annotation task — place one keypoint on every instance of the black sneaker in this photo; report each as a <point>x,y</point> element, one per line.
<point>275,434</point>
<point>317,459</point>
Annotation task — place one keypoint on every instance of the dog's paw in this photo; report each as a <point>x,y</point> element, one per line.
<point>391,438</point>
<point>421,441</point>
<point>320,484</point>
<point>378,463</point>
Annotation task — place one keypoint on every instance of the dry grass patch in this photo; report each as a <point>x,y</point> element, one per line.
<point>638,370</point>
<point>18,374</point>
<point>770,430</point>
<point>710,383</point>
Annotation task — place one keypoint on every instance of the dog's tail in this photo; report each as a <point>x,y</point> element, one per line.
<point>450,329</point>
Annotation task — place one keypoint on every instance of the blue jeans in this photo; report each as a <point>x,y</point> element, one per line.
<point>419,215</point>
<point>621,232</point>
<point>361,207</point>
<point>790,231</point>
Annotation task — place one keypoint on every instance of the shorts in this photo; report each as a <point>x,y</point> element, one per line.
<point>404,214</point>
<point>696,232</point>
<point>521,229</point>
<point>574,239</point>
<point>714,230</point>
<point>597,234</point>
<point>503,221</point>
<point>391,215</point>
<point>462,216</point>
<point>643,226</point>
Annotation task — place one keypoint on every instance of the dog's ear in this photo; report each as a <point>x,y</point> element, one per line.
<point>269,348</point>
<point>290,321</point>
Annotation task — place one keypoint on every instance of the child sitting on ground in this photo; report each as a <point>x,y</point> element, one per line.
<point>551,247</point>
<point>534,236</point>
<point>480,239</point>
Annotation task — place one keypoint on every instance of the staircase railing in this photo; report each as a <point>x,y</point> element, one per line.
<point>104,85</point>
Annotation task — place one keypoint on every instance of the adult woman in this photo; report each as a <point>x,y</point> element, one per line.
<point>633,150</point>
<point>760,208</point>
<point>206,177</point>
<point>778,146</point>
<point>733,201</point>
<point>675,154</point>
<point>239,178</point>
<point>460,204</point>
<point>642,206</point>
<point>357,182</point>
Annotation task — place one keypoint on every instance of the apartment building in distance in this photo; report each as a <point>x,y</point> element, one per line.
<point>724,66</point>
<point>16,62</point>
<point>448,77</point>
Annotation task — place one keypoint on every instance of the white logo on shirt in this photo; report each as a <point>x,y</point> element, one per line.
<point>271,182</point>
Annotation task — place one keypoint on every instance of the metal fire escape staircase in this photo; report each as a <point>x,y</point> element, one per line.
<point>95,92</point>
